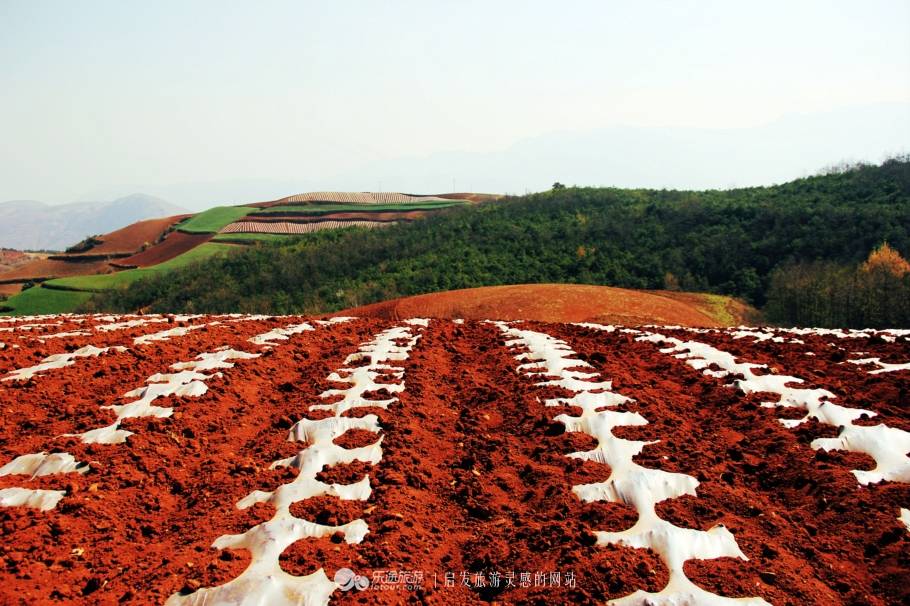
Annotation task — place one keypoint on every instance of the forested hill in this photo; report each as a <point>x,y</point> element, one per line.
<point>727,242</point>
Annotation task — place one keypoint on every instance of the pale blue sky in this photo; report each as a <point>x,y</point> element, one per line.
<point>104,97</point>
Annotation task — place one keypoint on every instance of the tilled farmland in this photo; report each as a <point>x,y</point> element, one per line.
<point>289,227</point>
<point>204,460</point>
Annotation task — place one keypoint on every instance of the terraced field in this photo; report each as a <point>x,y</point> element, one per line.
<point>214,219</point>
<point>289,228</point>
<point>132,238</point>
<point>160,245</point>
<point>253,238</point>
<point>339,197</point>
<point>65,294</point>
<point>122,278</point>
<point>194,460</point>
<point>293,218</point>
<point>318,209</point>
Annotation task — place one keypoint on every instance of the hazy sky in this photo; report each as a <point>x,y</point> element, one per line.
<point>100,96</point>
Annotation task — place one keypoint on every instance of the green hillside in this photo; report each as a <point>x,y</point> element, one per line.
<point>213,220</point>
<point>66,294</point>
<point>726,242</point>
<point>124,278</point>
<point>39,300</point>
<point>252,238</point>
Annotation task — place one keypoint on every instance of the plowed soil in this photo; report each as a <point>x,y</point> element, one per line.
<point>43,269</point>
<point>174,244</point>
<point>549,303</point>
<point>346,216</point>
<point>473,480</point>
<point>10,289</point>
<point>117,243</point>
<point>132,237</point>
<point>455,196</point>
<point>11,259</point>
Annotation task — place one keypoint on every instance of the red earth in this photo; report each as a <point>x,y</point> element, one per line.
<point>10,259</point>
<point>473,480</point>
<point>10,289</point>
<point>174,244</point>
<point>43,269</point>
<point>552,303</point>
<point>134,236</point>
<point>346,216</point>
<point>468,197</point>
<point>121,242</point>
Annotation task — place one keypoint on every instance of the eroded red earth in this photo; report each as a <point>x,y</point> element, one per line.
<point>473,484</point>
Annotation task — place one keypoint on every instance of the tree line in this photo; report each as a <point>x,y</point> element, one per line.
<point>748,242</point>
<point>874,294</point>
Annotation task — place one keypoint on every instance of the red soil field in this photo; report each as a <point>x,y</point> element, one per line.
<point>174,244</point>
<point>50,268</point>
<point>132,237</point>
<point>284,227</point>
<point>470,197</point>
<point>11,259</point>
<point>472,497</point>
<point>347,216</point>
<point>339,197</point>
<point>10,289</point>
<point>547,303</point>
<point>123,241</point>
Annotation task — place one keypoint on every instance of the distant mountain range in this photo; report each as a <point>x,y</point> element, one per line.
<point>32,225</point>
<point>647,157</point>
<point>632,157</point>
<point>791,147</point>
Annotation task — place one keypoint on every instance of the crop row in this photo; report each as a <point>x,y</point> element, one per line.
<point>361,197</point>
<point>286,227</point>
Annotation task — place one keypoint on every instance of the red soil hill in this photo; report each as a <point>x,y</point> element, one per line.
<point>175,244</point>
<point>549,303</point>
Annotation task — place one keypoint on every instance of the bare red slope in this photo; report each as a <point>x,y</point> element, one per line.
<point>121,242</point>
<point>176,243</point>
<point>50,268</point>
<point>545,303</point>
<point>131,238</point>
<point>474,475</point>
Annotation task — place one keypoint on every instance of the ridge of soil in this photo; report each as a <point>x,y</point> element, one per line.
<point>473,477</point>
<point>550,303</point>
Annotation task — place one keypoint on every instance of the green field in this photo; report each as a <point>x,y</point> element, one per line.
<point>322,209</point>
<point>124,278</point>
<point>213,220</point>
<point>38,300</point>
<point>243,238</point>
<point>72,292</point>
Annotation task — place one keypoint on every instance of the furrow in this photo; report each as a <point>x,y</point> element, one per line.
<point>264,581</point>
<point>888,446</point>
<point>553,363</point>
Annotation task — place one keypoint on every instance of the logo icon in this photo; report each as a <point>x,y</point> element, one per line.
<point>347,579</point>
